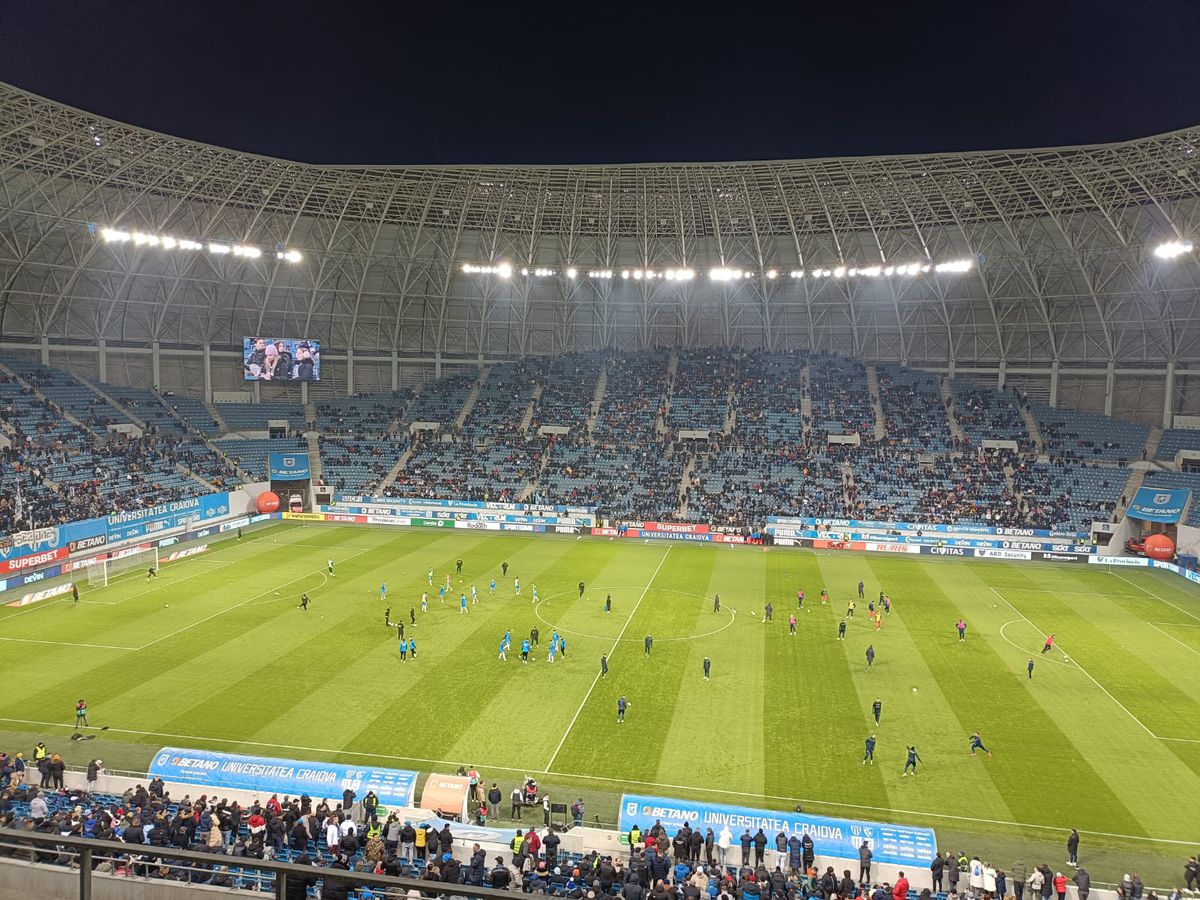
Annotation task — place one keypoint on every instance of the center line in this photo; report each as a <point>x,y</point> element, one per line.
<point>616,643</point>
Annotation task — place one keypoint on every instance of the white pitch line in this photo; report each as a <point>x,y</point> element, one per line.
<point>1175,639</point>
<point>1156,596</point>
<point>1086,673</point>
<point>616,644</point>
<point>240,605</point>
<point>66,643</point>
<point>791,801</point>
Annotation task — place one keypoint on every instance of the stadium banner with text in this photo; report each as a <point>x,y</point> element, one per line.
<point>1009,543</point>
<point>214,771</point>
<point>1151,504</point>
<point>898,845</point>
<point>288,466</point>
<point>84,533</point>
<point>1141,561</point>
<point>332,511</point>
<point>178,513</point>
<point>627,531</point>
<point>57,591</point>
<point>44,558</point>
<point>471,510</point>
<point>869,525</point>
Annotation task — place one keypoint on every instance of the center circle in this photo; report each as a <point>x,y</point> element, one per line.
<point>537,611</point>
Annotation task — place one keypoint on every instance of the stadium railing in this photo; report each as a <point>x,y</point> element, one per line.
<point>85,854</point>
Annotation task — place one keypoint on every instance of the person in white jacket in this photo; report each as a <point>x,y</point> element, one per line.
<point>975,876</point>
<point>723,842</point>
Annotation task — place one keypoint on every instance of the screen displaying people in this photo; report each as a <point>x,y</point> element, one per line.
<point>281,359</point>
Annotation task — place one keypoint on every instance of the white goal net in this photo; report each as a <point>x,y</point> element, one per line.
<point>122,562</point>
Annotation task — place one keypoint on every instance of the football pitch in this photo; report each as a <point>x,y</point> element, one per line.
<point>216,654</point>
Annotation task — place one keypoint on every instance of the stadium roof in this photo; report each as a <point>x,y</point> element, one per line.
<point>1061,241</point>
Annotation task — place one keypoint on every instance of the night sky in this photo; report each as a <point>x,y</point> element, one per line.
<point>337,82</point>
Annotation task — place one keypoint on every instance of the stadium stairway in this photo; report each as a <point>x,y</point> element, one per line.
<point>111,401</point>
<point>948,402</point>
<point>731,416</point>
<point>1035,432</point>
<point>472,397</point>
<point>37,393</point>
<point>1137,475</point>
<point>527,419</point>
<point>212,410</point>
<point>684,480</point>
<point>530,489</point>
<point>806,409</point>
<point>402,420</point>
<point>188,430</point>
<point>597,399</point>
<point>660,421</point>
<point>1152,441</point>
<point>394,471</point>
<point>876,403</point>
<point>314,451</point>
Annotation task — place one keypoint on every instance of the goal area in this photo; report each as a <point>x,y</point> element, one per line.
<point>122,562</point>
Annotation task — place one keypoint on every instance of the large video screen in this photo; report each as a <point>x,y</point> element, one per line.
<point>281,359</point>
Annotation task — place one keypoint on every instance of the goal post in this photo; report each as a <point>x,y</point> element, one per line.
<point>122,562</point>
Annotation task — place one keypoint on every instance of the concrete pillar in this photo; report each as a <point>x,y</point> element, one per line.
<point>1001,374</point>
<point>304,392</point>
<point>395,371</point>
<point>102,359</point>
<point>155,365</point>
<point>1054,384</point>
<point>1110,381</point>
<point>951,367</point>
<point>437,364</point>
<point>1169,396</point>
<point>45,354</point>
<point>349,373</point>
<point>207,358</point>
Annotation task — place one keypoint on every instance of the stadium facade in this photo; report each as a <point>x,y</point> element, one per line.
<point>1064,297</point>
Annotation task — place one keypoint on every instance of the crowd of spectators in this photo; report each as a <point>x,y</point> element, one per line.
<point>337,841</point>
<point>570,387</point>
<point>447,467</point>
<point>914,411</point>
<point>841,399</point>
<point>634,398</point>
<point>504,399</point>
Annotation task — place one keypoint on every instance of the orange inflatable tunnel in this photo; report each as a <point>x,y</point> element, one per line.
<point>446,796</point>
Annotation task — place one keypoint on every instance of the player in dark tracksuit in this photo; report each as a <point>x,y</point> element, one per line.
<point>877,709</point>
<point>869,751</point>
<point>911,762</point>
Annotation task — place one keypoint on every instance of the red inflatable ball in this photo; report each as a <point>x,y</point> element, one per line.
<point>268,502</point>
<point>1159,546</point>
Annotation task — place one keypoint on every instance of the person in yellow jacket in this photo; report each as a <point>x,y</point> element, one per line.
<point>419,843</point>
<point>635,836</point>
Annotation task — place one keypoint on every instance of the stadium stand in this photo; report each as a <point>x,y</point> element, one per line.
<point>367,415</point>
<point>504,399</point>
<point>768,399</point>
<point>443,469</point>
<point>251,453</point>
<point>633,397</point>
<point>1072,434</point>
<point>195,415</point>
<point>570,385</point>
<point>1158,478</point>
<point>441,400</point>
<point>255,416</point>
<point>914,410</point>
<point>988,414</point>
<point>700,391</point>
<point>1176,439</point>
<point>841,400</point>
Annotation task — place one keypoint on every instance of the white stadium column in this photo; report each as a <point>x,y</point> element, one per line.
<point>155,365</point>
<point>1054,384</point>
<point>1110,379</point>
<point>1169,395</point>
<point>350,372</point>
<point>102,359</point>
<point>207,357</point>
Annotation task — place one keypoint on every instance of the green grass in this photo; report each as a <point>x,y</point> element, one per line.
<point>209,656</point>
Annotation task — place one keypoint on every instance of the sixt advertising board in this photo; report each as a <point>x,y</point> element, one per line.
<point>214,771</point>
<point>900,845</point>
